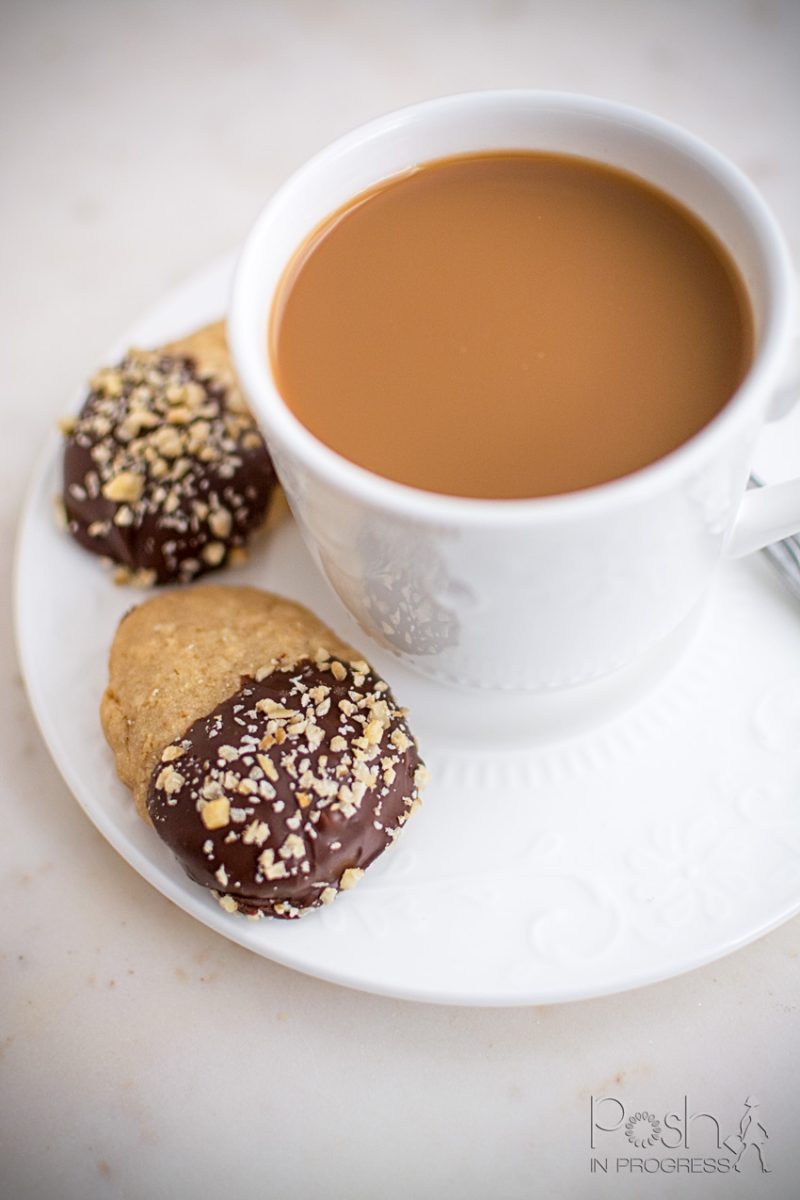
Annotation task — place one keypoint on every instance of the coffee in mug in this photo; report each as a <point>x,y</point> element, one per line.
<point>507,325</point>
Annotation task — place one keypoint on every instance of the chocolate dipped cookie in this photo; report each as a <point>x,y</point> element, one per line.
<point>165,471</point>
<point>266,753</point>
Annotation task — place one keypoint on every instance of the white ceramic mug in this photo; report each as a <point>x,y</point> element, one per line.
<point>543,593</point>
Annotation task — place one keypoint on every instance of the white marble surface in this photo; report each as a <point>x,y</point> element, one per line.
<point>140,1055</point>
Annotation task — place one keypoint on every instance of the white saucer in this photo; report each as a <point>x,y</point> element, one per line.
<point>564,850</point>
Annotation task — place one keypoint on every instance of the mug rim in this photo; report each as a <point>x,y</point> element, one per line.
<point>253,365</point>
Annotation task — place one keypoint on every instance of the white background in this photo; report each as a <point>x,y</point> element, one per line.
<point>141,1056</point>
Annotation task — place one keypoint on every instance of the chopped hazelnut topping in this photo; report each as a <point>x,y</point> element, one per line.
<point>268,767</point>
<point>127,486</point>
<point>373,732</point>
<point>273,709</point>
<point>220,522</point>
<point>278,871</point>
<point>216,813</point>
<point>108,382</point>
<point>172,753</point>
<point>350,878</point>
<point>168,441</point>
<point>399,739</point>
<point>123,516</point>
<point>170,781</point>
<point>315,735</point>
<point>266,858</point>
<point>421,776</point>
<point>211,789</point>
<point>179,415</point>
<point>213,553</point>
<point>293,847</point>
<point>256,833</point>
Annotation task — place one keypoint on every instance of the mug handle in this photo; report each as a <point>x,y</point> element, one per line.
<point>772,513</point>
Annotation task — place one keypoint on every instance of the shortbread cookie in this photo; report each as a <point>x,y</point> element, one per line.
<point>266,753</point>
<point>165,471</point>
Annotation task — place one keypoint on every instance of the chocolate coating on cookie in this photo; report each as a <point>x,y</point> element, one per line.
<point>289,789</point>
<point>165,472</point>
